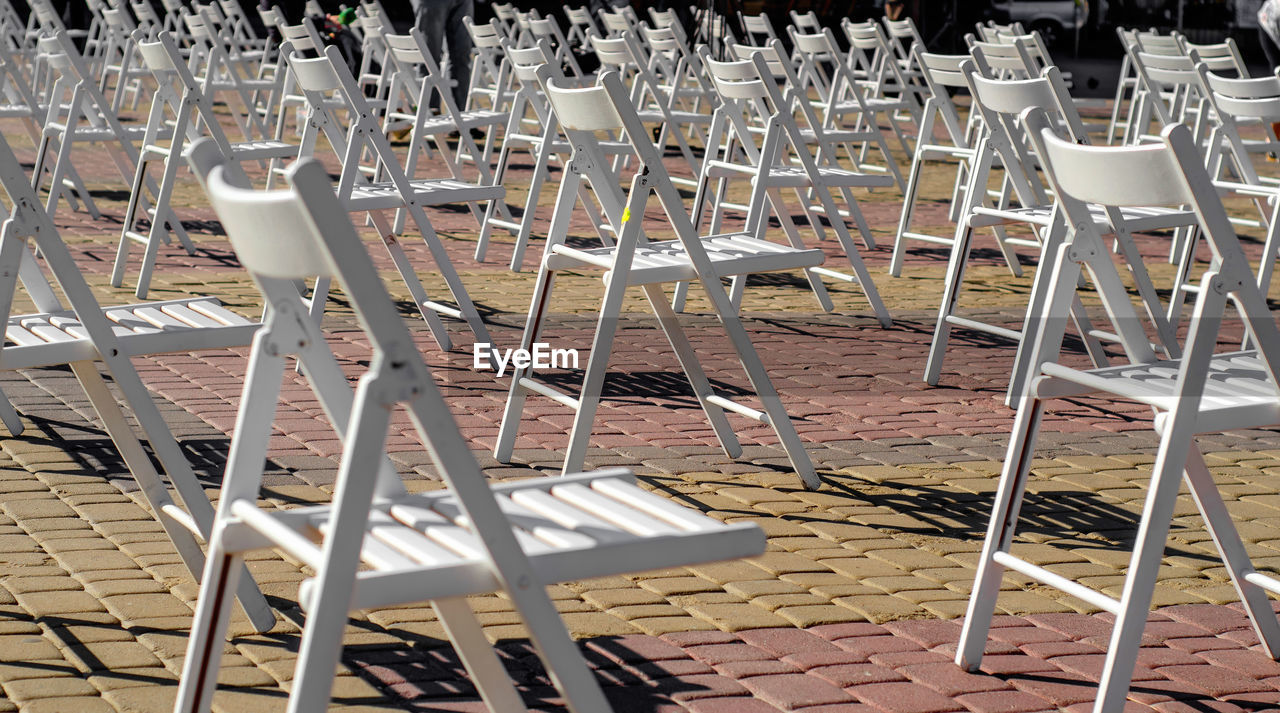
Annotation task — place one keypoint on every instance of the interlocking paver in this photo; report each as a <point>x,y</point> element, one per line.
<point>891,538</point>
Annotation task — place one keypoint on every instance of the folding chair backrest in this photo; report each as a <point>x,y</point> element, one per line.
<point>759,29</point>
<point>1173,174</point>
<point>904,34</point>
<point>614,52</point>
<point>615,23</point>
<point>1235,100</point>
<point>148,20</point>
<point>1159,44</point>
<point>581,26</point>
<point>942,73</point>
<point>807,23</point>
<point>1008,60</point>
<point>303,37</point>
<point>1221,57</point>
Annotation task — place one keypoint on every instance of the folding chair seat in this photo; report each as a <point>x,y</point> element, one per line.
<point>329,88</point>
<point>780,160</point>
<point>845,102</point>
<point>635,261</point>
<point>73,329</point>
<point>543,142</point>
<point>180,113</point>
<point>1002,142</point>
<point>416,75</point>
<point>1204,391</point>
<point>375,544</point>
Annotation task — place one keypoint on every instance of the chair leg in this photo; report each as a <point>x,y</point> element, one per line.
<point>593,376</point>
<point>321,645</point>
<point>950,298</point>
<point>1218,520</point>
<point>688,358</point>
<point>130,219</point>
<point>450,274</point>
<point>1004,517</point>
<point>516,395</point>
<point>904,222</point>
<point>1153,531</point>
<point>477,654</point>
<point>410,277</point>
<point>763,386</point>
<point>208,631</point>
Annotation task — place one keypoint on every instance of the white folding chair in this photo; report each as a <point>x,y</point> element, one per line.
<point>581,27</point>
<point>379,545</point>
<point>180,112</point>
<point>759,30</point>
<point>549,29</point>
<point>1002,142</point>
<point>941,75</point>
<point>654,103</point>
<point>79,114</point>
<point>488,76</point>
<point>843,98</point>
<point>417,78</point>
<point>780,159</point>
<point>1204,391</point>
<point>80,332</point>
<point>633,260</point>
<point>329,88</point>
<point>22,103</point>
<point>543,142</point>
<point>226,69</point>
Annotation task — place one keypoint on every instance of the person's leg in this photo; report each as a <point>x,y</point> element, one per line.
<point>459,49</point>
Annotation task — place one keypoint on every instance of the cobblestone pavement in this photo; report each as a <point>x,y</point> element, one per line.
<point>852,608</point>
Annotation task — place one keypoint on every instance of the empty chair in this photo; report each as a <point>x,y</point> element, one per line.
<point>635,261</point>
<point>781,159</point>
<point>330,88</point>
<point>180,113</point>
<point>378,544</point>
<point>1203,392</point>
<point>79,333</point>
